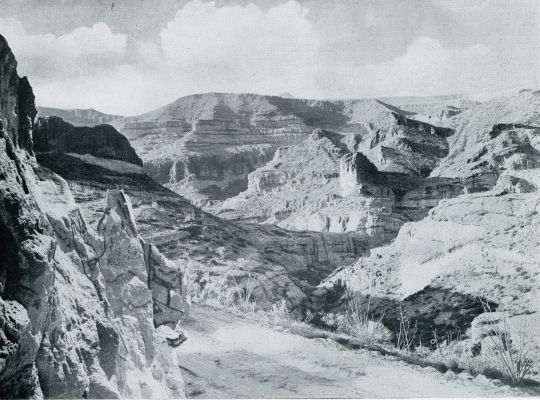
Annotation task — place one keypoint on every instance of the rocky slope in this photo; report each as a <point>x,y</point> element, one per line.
<point>66,321</point>
<point>101,141</point>
<point>327,183</point>
<point>493,136</point>
<point>477,244</point>
<point>285,265</point>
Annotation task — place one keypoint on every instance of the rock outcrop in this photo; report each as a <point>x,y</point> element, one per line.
<point>494,135</point>
<point>61,335</point>
<point>52,134</point>
<point>480,245</point>
<point>326,184</point>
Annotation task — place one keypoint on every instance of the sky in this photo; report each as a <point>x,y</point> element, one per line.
<point>132,56</point>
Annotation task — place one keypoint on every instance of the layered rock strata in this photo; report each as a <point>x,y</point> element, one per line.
<point>475,245</point>
<point>285,264</point>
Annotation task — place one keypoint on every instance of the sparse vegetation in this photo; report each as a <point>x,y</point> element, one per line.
<point>514,358</point>
<point>406,335</point>
<point>358,327</point>
<point>361,323</point>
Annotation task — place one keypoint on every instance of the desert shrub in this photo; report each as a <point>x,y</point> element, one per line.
<point>361,324</point>
<point>406,336</point>
<point>195,282</point>
<point>279,312</point>
<point>514,358</point>
<point>335,322</point>
<point>241,295</point>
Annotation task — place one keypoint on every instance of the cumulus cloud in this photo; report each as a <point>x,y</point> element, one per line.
<point>207,46</point>
<point>241,46</point>
<point>48,55</point>
<point>426,67</point>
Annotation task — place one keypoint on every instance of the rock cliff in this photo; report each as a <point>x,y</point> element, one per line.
<point>326,184</point>
<point>284,264</point>
<point>475,244</point>
<point>61,333</point>
<point>52,134</point>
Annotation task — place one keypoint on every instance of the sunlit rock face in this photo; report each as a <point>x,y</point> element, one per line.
<point>326,184</point>
<point>480,243</point>
<point>60,336</point>
<point>205,146</point>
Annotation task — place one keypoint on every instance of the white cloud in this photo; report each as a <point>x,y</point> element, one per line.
<point>48,55</point>
<point>427,67</point>
<point>233,48</point>
<point>243,47</point>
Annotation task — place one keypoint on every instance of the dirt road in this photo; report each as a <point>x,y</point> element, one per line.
<point>229,356</point>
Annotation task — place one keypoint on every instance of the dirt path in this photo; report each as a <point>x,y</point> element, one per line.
<point>229,356</point>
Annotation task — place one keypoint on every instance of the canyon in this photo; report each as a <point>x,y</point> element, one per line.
<point>374,170</point>
<point>113,227</point>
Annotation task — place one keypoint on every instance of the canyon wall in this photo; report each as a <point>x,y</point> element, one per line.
<point>286,265</point>
<point>481,243</point>
<point>62,333</point>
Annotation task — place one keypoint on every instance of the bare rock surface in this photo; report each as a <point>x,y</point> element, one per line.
<point>60,336</point>
<point>204,146</point>
<point>54,134</point>
<point>478,243</point>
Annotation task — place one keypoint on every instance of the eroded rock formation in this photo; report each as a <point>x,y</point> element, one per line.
<point>481,244</point>
<point>61,334</point>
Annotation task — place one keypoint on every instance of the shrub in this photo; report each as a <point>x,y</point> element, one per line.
<point>361,324</point>
<point>514,358</point>
<point>405,339</point>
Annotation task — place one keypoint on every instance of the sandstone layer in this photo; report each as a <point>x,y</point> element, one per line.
<point>481,244</point>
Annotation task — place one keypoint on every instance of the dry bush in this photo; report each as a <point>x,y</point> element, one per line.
<point>406,335</point>
<point>241,296</point>
<point>361,324</point>
<point>514,359</point>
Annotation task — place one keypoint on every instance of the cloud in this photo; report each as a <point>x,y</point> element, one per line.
<point>345,51</point>
<point>242,46</point>
<point>84,50</point>
<point>427,67</point>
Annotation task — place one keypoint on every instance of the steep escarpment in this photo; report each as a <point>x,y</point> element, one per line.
<point>204,146</point>
<point>61,335</point>
<point>284,264</point>
<point>53,134</point>
<point>493,135</point>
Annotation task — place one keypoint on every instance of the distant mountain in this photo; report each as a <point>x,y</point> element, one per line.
<point>205,145</point>
<point>78,117</point>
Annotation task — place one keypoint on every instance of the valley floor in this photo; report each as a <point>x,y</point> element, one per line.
<point>227,356</point>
